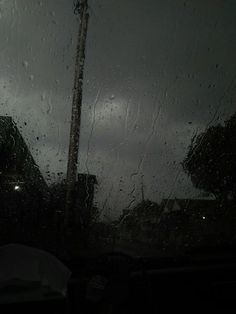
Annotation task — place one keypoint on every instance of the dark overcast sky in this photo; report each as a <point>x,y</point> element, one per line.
<point>151,68</point>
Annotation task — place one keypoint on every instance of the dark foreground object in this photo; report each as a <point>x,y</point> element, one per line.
<point>147,285</point>
<point>116,283</point>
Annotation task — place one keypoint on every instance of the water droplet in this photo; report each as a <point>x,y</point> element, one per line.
<point>25,64</point>
<point>112,97</point>
<point>43,97</point>
<point>49,109</point>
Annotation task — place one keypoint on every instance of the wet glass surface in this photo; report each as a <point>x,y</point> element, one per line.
<point>150,122</point>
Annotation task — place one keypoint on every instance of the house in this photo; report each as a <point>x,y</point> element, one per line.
<point>197,222</point>
<point>177,224</point>
<point>23,190</point>
<point>17,166</point>
<point>196,205</point>
<point>140,222</point>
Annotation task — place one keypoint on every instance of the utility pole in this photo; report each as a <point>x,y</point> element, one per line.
<point>81,8</point>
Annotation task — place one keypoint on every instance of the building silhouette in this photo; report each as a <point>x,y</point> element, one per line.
<point>23,190</point>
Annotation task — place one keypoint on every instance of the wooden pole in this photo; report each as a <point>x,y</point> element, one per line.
<point>82,8</point>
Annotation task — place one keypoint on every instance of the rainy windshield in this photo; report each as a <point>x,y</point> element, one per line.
<point>118,125</point>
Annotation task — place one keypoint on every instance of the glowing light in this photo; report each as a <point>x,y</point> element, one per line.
<point>203,217</point>
<point>17,188</point>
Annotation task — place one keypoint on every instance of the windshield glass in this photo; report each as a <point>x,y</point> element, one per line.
<point>118,125</point>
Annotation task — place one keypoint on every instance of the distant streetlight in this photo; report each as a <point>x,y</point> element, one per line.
<point>17,188</point>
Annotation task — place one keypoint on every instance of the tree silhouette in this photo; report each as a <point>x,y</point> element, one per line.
<point>211,160</point>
